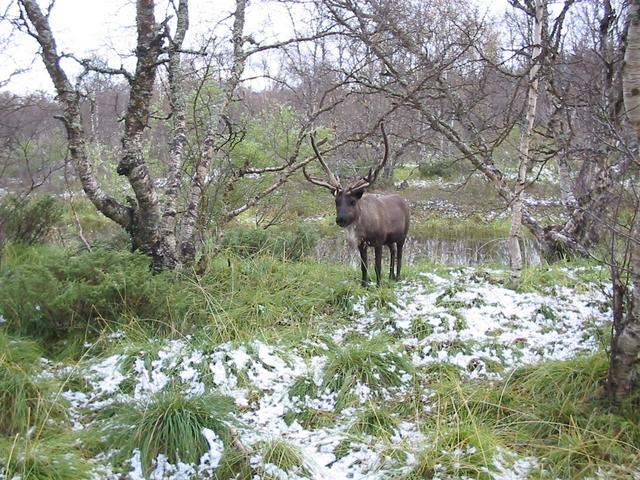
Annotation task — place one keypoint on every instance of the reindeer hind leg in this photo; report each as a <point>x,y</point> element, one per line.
<point>392,262</point>
<point>400,244</point>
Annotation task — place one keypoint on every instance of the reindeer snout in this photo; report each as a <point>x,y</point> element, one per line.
<point>342,222</point>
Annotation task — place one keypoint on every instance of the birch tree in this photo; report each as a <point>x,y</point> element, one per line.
<point>438,59</point>
<point>162,217</point>
<point>514,243</point>
<point>625,344</point>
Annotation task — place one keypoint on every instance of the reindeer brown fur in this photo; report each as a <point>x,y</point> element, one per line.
<point>371,220</point>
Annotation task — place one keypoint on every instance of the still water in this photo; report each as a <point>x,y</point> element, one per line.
<point>447,251</point>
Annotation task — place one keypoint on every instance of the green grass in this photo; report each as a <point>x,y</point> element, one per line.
<point>285,243</point>
<point>235,464</point>
<point>241,299</point>
<point>170,424</point>
<point>26,400</point>
<point>465,450</point>
<point>368,362</point>
<point>282,455</point>
<point>554,411</point>
<point>465,228</point>
<point>67,299</point>
<point>374,420</point>
<point>53,458</point>
<point>576,275</point>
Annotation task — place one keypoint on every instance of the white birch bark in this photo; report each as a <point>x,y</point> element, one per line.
<point>168,242</point>
<point>625,344</point>
<point>199,179</point>
<point>515,234</point>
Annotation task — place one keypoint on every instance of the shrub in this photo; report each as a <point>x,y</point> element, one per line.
<point>48,294</point>
<point>28,220</point>
<point>439,168</point>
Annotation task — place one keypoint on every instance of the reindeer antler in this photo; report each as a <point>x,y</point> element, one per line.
<point>333,184</point>
<point>367,181</point>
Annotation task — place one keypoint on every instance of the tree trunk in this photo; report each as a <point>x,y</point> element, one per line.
<point>69,98</point>
<point>145,234</point>
<point>625,342</point>
<point>199,179</point>
<point>168,242</point>
<point>515,236</point>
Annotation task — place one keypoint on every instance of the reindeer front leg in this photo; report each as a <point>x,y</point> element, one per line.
<point>363,263</point>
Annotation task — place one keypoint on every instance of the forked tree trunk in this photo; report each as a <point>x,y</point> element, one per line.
<point>141,217</point>
<point>625,342</point>
<point>515,234</point>
<point>196,192</point>
<point>168,241</point>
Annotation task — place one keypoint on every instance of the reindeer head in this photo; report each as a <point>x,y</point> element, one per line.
<point>347,198</point>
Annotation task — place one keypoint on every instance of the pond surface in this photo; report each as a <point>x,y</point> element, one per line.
<point>447,251</point>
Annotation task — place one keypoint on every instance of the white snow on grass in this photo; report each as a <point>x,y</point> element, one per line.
<point>467,320</point>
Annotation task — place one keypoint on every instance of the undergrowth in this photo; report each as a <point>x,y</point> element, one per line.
<point>552,411</point>
<point>552,414</point>
<point>26,398</point>
<point>56,296</point>
<point>51,458</point>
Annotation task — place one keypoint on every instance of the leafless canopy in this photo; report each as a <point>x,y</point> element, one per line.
<point>333,183</point>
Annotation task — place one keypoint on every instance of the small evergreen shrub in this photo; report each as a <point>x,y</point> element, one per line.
<point>49,294</point>
<point>28,220</point>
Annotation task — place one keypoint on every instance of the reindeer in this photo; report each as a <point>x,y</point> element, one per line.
<point>371,220</point>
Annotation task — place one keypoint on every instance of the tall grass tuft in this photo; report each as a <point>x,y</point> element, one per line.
<point>278,457</point>
<point>240,298</point>
<point>374,420</point>
<point>464,450</point>
<point>285,244</point>
<point>25,399</point>
<point>369,362</point>
<point>169,424</point>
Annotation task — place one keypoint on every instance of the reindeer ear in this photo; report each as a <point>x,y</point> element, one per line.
<point>358,194</point>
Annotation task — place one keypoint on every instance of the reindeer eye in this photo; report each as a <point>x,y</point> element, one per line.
<point>352,202</point>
